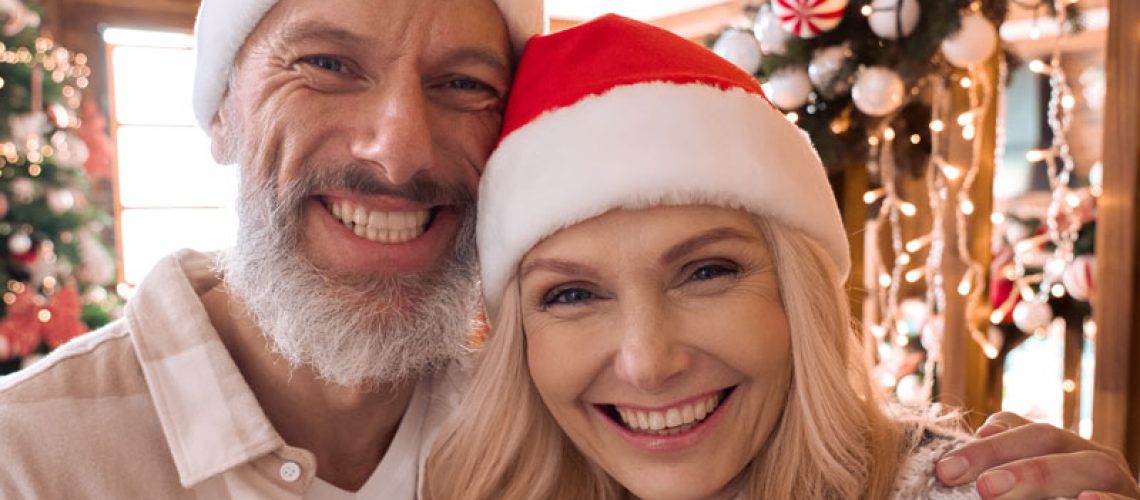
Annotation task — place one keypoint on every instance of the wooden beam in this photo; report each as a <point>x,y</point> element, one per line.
<point>1116,306</point>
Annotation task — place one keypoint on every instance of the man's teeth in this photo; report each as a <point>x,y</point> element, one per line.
<point>379,226</point>
<point>671,421</point>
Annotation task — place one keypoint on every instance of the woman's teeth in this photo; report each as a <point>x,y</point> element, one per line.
<point>671,421</point>
<point>381,227</point>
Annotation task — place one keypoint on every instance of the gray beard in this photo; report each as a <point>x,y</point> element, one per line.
<point>358,330</point>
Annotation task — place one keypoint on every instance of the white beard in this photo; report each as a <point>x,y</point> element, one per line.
<point>359,330</point>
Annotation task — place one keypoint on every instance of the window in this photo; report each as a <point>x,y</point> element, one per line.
<point>170,194</point>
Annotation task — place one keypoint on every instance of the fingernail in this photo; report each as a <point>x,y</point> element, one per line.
<point>1089,496</point>
<point>997,482</point>
<point>951,468</point>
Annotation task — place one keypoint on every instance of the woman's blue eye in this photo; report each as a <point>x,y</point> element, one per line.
<point>568,296</point>
<point>712,271</point>
<point>326,63</point>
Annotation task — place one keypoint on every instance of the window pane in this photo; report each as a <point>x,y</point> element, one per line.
<point>153,86</point>
<point>151,234</point>
<point>171,167</point>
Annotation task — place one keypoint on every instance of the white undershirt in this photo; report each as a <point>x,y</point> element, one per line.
<point>398,473</point>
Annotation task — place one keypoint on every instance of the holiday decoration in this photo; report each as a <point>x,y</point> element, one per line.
<point>42,188</point>
<point>809,18</point>
<point>1079,277</point>
<point>740,48</point>
<point>1032,316</point>
<point>828,70</point>
<point>789,89</point>
<point>878,91</point>
<point>973,44</point>
<point>892,19</point>
<point>773,39</point>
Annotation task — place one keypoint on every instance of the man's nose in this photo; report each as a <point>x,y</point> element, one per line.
<point>652,352</point>
<point>393,129</point>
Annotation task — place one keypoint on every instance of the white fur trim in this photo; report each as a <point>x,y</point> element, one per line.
<point>223,26</point>
<point>643,145</point>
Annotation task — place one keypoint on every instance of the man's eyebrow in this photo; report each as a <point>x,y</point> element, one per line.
<point>311,30</point>
<point>703,239</point>
<point>478,55</point>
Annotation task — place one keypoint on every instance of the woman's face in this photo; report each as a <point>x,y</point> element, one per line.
<point>659,343</point>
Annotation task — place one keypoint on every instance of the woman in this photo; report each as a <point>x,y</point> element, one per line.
<point>663,265</point>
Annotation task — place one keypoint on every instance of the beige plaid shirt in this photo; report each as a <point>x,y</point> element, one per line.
<point>153,406</point>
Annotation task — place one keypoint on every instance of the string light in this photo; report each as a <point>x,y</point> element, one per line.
<point>967,207</point>
<point>937,125</point>
<point>1038,66</point>
<point>913,275</point>
<point>908,209</point>
<point>870,196</point>
<point>966,82</point>
<point>915,139</point>
<point>867,10</point>
<point>793,117</point>
<point>889,134</point>
<point>997,218</point>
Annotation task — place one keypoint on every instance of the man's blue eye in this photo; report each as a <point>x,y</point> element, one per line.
<point>326,63</point>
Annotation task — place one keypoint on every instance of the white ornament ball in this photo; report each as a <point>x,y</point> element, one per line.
<point>788,88</point>
<point>972,44</point>
<point>809,18</point>
<point>23,190</point>
<point>773,39</point>
<point>932,333</point>
<point>1079,277</point>
<point>1031,316</point>
<point>825,67</point>
<point>60,200</point>
<point>739,48</point>
<point>887,16</point>
<point>19,244</point>
<point>878,91</point>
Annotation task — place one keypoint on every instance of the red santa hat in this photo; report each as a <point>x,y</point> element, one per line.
<point>615,113</point>
<point>223,25</point>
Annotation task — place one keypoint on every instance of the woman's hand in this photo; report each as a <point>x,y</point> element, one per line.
<point>1015,458</point>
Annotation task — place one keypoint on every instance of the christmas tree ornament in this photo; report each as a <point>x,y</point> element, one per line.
<point>789,88</point>
<point>65,322</point>
<point>773,39</point>
<point>70,150</point>
<point>27,126</point>
<point>809,18</point>
<point>892,19</point>
<point>740,48</point>
<point>1031,316</point>
<point>826,70</point>
<point>1079,277</point>
<point>932,333</point>
<point>59,200</point>
<point>23,190</point>
<point>972,44</point>
<point>20,243</point>
<point>878,91</point>
<point>95,265</point>
<point>20,327</point>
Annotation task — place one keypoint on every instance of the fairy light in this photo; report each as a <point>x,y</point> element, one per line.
<point>889,134</point>
<point>793,117</point>
<point>997,218</point>
<point>937,125</point>
<point>1057,290</point>
<point>913,275</point>
<point>903,259</point>
<point>967,207</point>
<point>1034,155</point>
<point>871,196</point>
<point>966,118</point>
<point>867,10</point>
<point>1038,66</point>
<point>951,172</point>
<point>908,209</point>
<point>917,244</point>
<point>885,280</point>
<point>915,139</point>
<point>966,82</point>
<point>969,132</point>
<point>1068,101</point>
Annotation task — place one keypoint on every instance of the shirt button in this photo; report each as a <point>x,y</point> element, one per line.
<point>290,471</point>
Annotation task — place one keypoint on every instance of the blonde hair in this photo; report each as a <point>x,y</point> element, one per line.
<point>834,439</point>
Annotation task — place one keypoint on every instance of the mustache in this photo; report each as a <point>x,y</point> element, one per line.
<point>364,180</point>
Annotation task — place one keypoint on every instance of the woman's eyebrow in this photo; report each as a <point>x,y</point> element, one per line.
<point>558,266</point>
<point>703,239</point>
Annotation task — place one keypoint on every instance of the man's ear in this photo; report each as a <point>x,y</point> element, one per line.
<point>220,139</point>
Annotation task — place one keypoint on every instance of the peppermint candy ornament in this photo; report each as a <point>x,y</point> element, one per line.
<point>809,18</point>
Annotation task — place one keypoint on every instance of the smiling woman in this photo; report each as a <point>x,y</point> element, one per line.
<point>662,264</point>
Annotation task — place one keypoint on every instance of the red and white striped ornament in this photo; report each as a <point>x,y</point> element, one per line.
<point>809,18</point>
<point>1079,277</point>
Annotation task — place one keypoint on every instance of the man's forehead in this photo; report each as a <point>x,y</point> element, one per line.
<point>389,24</point>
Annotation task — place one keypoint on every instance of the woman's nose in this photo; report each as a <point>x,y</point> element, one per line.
<point>652,352</point>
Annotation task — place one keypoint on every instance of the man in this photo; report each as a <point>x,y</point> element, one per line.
<point>316,359</point>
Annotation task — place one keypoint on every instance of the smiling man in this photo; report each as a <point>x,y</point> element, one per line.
<point>316,358</point>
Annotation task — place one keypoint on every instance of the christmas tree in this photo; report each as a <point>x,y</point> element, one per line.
<point>55,267</point>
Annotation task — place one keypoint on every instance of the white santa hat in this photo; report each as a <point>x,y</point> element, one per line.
<point>615,113</point>
<point>223,26</point>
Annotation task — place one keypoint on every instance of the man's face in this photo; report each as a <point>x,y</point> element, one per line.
<point>406,95</point>
<point>361,128</point>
